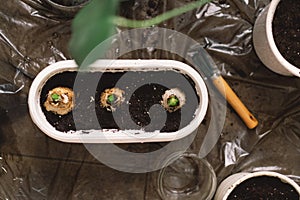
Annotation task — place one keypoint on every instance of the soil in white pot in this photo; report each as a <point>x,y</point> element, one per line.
<point>264,187</point>
<point>286,30</point>
<point>139,103</point>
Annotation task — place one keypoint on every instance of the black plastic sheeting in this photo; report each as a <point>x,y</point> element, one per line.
<point>33,166</point>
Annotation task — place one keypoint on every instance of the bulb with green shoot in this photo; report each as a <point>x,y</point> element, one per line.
<point>60,100</point>
<point>111,98</point>
<point>173,99</point>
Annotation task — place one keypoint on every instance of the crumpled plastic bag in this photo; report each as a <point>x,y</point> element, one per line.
<point>34,166</point>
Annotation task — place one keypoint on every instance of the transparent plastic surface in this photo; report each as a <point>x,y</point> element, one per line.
<point>34,166</point>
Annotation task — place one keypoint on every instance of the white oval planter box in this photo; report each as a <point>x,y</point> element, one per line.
<point>233,181</point>
<point>265,46</point>
<point>116,135</point>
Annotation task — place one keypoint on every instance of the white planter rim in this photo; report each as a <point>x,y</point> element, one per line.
<point>270,16</point>
<point>265,45</point>
<point>243,176</point>
<point>113,135</point>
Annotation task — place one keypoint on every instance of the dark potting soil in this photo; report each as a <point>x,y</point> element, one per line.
<point>143,90</point>
<point>286,30</point>
<point>264,187</point>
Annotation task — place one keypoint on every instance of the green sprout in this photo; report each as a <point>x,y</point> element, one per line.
<point>173,101</point>
<point>111,99</point>
<point>55,97</point>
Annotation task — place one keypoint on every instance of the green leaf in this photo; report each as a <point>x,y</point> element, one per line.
<point>90,27</point>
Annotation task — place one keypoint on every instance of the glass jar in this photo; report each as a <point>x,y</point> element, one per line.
<point>186,176</point>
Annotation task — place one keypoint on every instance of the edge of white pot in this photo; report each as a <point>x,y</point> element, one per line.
<point>265,46</point>
<point>231,182</point>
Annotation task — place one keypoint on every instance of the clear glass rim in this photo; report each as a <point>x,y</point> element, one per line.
<point>173,157</point>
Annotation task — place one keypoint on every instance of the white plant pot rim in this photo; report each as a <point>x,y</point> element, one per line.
<point>113,135</point>
<point>286,67</point>
<point>270,16</point>
<point>231,182</point>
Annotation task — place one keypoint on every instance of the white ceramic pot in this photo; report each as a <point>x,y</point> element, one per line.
<point>265,46</point>
<point>231,182</point>
<point>114,135</point>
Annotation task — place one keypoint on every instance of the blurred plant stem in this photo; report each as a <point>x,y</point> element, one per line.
<point>96,21</point>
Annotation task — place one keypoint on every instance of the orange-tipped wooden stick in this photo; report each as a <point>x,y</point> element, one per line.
<point>223,87</point>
